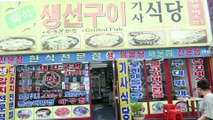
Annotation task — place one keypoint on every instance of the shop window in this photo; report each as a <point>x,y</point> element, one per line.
<point>198,71</point>
<point>58,90</point>
<point>157,85</point>
<point>179,83</point>
<point>137,82</point>
<point>138,86</point>
<point>179,78</point>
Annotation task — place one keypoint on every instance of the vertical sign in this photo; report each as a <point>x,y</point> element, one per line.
<point>156,78</point>
<point>7,74</point>
<point>124,93</point>
<point>179,78</point>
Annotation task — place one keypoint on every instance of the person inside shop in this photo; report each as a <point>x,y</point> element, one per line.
<point>207,103</point>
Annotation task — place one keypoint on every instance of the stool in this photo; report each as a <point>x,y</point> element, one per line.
<point>166,108</point>
<point>175,115</point>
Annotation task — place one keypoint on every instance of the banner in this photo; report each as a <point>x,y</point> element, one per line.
<point>107,56</point>
<point>124,92</point>
<point>68,26</point>
<point>7,92</point>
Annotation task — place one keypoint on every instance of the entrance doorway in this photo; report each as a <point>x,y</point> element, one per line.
<point>103,91</point>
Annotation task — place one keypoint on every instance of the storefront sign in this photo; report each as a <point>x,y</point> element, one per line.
<point>52,91</point>
<point>53,26</point>
<point>178,75</point>
<point>124,92</point>
<point>106,55</point>
<point>156,79</point>
<point>7,92</point>
<point>135,81</point>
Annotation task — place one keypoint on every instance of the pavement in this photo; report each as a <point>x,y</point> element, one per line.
<point>102,111</point>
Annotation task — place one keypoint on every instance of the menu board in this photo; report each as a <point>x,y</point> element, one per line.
<point>136,81</point>
<point>157,85</point>
<point>52,91</point>
<point>198,72</point>
<point>179,81</point>
<point>138,85</point>
<point>7,81</point>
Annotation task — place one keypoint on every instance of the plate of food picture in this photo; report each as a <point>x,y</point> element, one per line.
<point>62,112</point>
<point>181,105</point>
<point>157,107</point>
<point>146,38</point>
<point>17,44</point>
<point>59,42</point>
<point>188,36</point>
<point>80,111</point>
<point>104,40</point>
<point>24,114</point>
<point>43,113</point>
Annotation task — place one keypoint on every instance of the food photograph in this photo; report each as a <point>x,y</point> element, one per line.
<point>17,44</point>
<point>104,40</point>
<point>188,36</point>
<point>43,113</point>
<point>147,38</point>
<point>60,42</point>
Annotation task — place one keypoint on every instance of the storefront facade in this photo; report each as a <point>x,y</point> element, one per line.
<point>158,49</point>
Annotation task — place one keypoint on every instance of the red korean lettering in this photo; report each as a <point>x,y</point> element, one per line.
<point>11,59</point>
<point>132,54</point>
<point>189,51</point>
<point>140,54</point>
<point>180,51</point>
<point>54,67</point>
<point>37,88</point>
<point>3,81</point>
<point>21,89</point>
<point>2,60</point>
<point>3,89</point>
<point>154,63</point>
<point>12,88</point>
<point>157,95</point>
<point>43,68</point>
<point>200,78</point>
<point>12,80</point>
<point>111,12</point>
<point>94,16</point>
<point>37,75</point>
<point>62,101</point>
<point>199,73</point>
<point>29,75</point>
<point>155,73</point>
<point>198,67</point>
<point>114,9</point>
<point>19,59</point>
<point>158,78</point>
<point>73,12</point>
<point>197,61</point>
<point>78,66</point>
<point>66,66</point>
<point>155,68</point>
<point>157,89</point>
<point>197,51</point>
<point>21,75</point>
<point>29,89</point>
<point>110,55</point>
<point>53,16</point>
<point>123,54</point>
<point>156,84</point>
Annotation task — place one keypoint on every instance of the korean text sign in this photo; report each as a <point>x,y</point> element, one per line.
<point>7,92</point>
<point>124,93</point>
<point>55,26</point>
